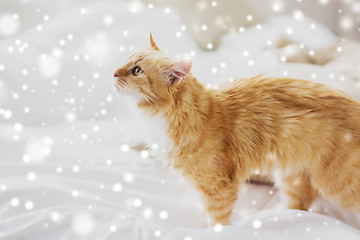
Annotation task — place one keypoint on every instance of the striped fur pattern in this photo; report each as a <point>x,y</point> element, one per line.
<point>310,132</point>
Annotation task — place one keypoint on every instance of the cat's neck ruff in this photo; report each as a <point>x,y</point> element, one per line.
<point>182,123</point>
<point>158,140</point>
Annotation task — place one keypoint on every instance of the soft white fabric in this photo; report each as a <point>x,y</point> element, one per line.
<point>66,171</point>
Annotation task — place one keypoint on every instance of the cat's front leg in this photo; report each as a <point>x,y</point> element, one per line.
<point>219,200</point>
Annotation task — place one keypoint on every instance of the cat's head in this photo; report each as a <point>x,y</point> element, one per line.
<point>151,77</point>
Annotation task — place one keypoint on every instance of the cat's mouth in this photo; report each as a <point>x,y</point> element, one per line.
<point>120,83</point>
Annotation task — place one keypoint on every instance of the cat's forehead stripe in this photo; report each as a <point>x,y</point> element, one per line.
<point>140,56</point>
<point>136,56</point>
<point>137,61</point>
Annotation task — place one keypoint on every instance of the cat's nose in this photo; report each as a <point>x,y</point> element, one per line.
<point>116,75</point>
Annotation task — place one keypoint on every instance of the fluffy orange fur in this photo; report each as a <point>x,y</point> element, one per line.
<point>309,131</point>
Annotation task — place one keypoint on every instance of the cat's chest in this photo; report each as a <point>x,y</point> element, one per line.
<point>158,140</point>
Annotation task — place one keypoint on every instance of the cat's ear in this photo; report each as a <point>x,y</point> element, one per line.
<point>152,43</point>
<point>176,72</point>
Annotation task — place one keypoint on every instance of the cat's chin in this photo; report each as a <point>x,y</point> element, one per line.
<point>120,90</point>
<point>137,99</point>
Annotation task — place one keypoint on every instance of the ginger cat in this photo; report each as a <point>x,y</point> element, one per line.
<point>308,131</point>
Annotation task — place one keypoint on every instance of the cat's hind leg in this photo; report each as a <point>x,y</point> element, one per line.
<point>296,189</point>
<point>338,178</point>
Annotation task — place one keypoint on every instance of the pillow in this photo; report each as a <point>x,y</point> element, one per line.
<point>208,20</point>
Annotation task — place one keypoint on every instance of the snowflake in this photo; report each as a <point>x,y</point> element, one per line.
<point>96,75</point>
<point>113,228</point>
<point>137,202</point>
<point>76,57</point>
<point>324,2</point>
<point>256,224</point>
<point>31,176</point>
<point>9,24</point>
<point>157,233</point>
<point>109,162</point>
<point>117,187</point>
<point>283,59</point>
<point>75,193</point>
<point>125,148</point>
<point>38,150</point>
<point>83,224</point>
<point>7,114</point>
<point>147,212</point>
<point>29,205</point>
<point>144,154</point>
<point>278,6</point>
<point>129,177</point>
<point>298,15</point>
<point>346,23</point>
<point>108,20</point>
<point>76,169</point>
<point>218,228</point>
<point>70,117</point>
<point>55,216</point>
<point>18,127</point>
<point>251,62</point>
<point>167,10</point>
<point>15,202</point>
<point>289,30</point>
<point>163,215</point>
<point>83,11</point>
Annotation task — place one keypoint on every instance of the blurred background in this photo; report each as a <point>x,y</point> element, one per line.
<point>49,45</point>
<point>341,16</point>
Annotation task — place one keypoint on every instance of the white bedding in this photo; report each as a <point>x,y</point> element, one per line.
<point>65,169</point>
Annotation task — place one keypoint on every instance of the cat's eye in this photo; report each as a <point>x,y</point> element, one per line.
<point>136,71</point>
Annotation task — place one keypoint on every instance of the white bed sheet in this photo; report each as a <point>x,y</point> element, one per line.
<point>65,172</point>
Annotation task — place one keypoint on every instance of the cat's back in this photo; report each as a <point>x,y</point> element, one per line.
<point>271,86</point>
<point>273,105</point>
<point>287,94</point>
<point>290,117</point>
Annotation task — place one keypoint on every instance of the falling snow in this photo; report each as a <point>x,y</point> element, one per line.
<point>15,202</point>
<point>218,228</point>
<point>83,224</point>
<point>9,24</point>
<point>75,153</point>
<point>256,224</point>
